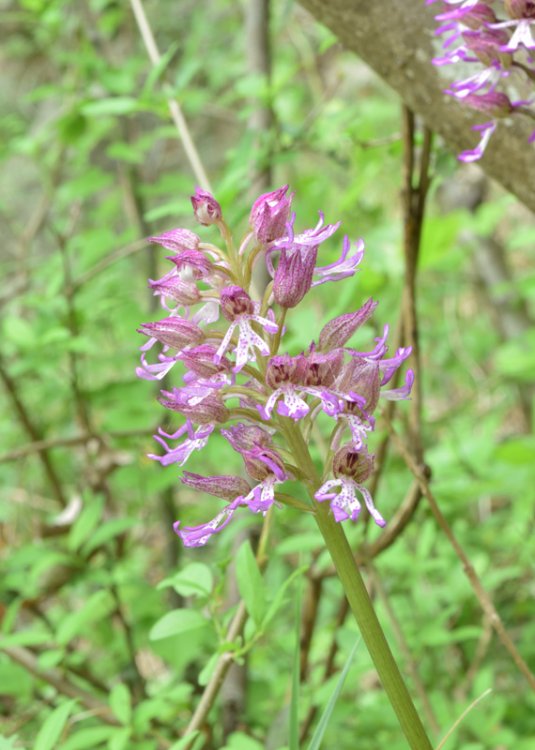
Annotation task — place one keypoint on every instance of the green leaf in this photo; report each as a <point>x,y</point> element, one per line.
<point>120,703</point>
<point>29,637</point>
<point>241,741</point>
<point>185,741</point>
<point>53,726</point>
<point>516,359</point>
<point>157,71</point>
<point>119,739</point>
<point>315,742</point>
<point>278,599</point>
<point>97,606</point>
<point>177,622</point>
<point>194,579</point>
<point>117,105</point>
<point>86,522</point>
<point>7,743</point>
<point>517,451</point>
<point>296,666</point>
<point>250,583</point>
<point>88,739</point>
<point>108,531</point>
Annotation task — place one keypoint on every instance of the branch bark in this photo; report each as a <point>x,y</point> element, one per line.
<point>396,40</point>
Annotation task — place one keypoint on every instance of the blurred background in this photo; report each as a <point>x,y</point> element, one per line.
<point>91,165</point>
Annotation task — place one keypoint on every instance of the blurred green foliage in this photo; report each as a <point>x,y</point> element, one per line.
<point>91,165</point>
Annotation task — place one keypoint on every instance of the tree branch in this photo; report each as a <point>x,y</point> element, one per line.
<point>396,40</point>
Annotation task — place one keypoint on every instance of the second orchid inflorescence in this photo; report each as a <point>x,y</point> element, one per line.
<point>495,38</point>
<point>236,380</point>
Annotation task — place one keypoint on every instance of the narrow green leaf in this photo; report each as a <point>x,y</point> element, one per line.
<point>157,71</point>
<point>119,739</point>
<point>250,583</point>
<point>296,667</point>
<point>53,726</point>
<point>86,522</point>
<point>315,742</point>
<point>185,741</point>
<point>120,703</point>
<point>177,622</point>
<point>9,743</point>
<point>88,739</point>
<point>107,531</point>
<point>97,606</point>
<point>278,599</point>
<point>117,105</point>
<point>194,579</point>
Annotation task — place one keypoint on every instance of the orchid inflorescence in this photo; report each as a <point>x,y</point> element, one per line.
<point>237,382</point>
<point>498,38</point>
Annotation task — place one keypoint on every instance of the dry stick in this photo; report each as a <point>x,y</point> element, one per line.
<point>259,63</point>
<point>413,202</point>
<point>53,677</point>
<point>226,659</point>
<point>482,596</point>
<point>34,433</point>
<point>65,442</point>
<point>461,718</point>
<point>309,620</point>
<point>176,113</point>
<point>139,682</point>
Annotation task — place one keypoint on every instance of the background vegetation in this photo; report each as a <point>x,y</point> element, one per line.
<point>90,567</point>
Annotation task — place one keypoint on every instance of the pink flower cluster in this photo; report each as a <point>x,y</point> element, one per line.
<point>497,37</point>
<point>235,380</point>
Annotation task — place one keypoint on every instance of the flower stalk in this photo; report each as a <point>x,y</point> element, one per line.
<point>360,603</point>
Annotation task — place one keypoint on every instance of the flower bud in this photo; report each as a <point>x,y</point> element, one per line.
<point>205,207</point>
<point>174,332</point>
<point>269,215</point>
<point>235,301</point>
<point>358,465</point>
<point>200,360</point>
<point>177,240</point>
<point>245,437</point>
<point>339,330</point>
<point>293,277</point>
<point>210,409</point>
<point>225,486</point>
<point>261,463</point>
<point>191,263</point>
<point>493,103</point>
<point>487,46</point>
<point>183,292</point>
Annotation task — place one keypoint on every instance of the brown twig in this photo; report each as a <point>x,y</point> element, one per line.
<point>482,596</point>
<point>62,684</point>
<point>66,442</point>
<point>33,432</point>
<point>226,659</point>
<point>176,112</point>
<point>139,682</point>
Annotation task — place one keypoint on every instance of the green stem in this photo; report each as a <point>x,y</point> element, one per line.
<point>359,600</point>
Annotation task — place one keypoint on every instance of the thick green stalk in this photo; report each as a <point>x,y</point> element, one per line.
<point>360,602</point>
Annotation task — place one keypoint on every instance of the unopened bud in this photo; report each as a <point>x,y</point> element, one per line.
<point>205,207</point>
